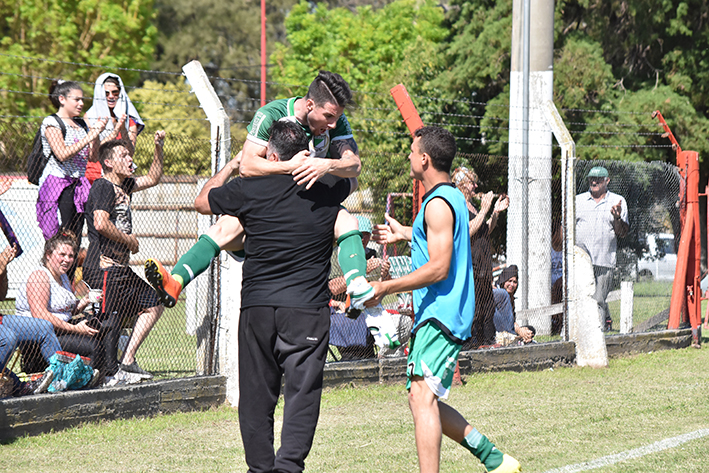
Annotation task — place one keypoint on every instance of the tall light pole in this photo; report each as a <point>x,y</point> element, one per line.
<point>529,175</point>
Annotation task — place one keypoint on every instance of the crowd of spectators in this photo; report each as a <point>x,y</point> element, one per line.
<point>62,314</point>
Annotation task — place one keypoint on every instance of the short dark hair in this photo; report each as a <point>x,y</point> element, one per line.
<point>61,88</point>
<point>113,80</point>
<point>105,151</point>
<point>287,139</point>
<point>439,144</point>
<point>330,87</point>
<point>62,237</point>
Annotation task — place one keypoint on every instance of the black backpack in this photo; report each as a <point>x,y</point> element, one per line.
<point>36,160</point>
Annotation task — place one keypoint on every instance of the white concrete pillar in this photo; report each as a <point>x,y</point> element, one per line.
<point>584,320</point>
<point>626,306</point>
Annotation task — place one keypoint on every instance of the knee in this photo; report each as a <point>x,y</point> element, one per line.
<point>8,340</point>
<point>227,231</point>
<point>345,223</point>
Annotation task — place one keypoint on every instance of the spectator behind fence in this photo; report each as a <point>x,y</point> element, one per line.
<point>17,331</point>
<point>111,102</point>
<point>69,144</point>
<point>601,218</point>
<point>508,330</point>
<point>111,242</point>
<point>47,294</point>
<point>483,324</point>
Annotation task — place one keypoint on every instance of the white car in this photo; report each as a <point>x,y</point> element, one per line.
<point>660,261</point>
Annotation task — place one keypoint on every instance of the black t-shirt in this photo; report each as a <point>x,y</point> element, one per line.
<point>115,200</point>
<point>289,236</point>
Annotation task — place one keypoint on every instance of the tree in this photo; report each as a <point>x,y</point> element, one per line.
<point>41,37</point>
<point>653,60</point>
<point>373,50</point>
<point>173,108</point>
<point>226,38</point>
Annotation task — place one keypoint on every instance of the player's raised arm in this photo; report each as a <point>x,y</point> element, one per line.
<point>254,163</point>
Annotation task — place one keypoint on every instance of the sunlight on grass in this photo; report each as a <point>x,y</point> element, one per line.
<point>547,419</point>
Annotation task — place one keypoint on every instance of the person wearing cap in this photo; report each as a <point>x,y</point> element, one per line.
<point>601,218</point>
<point>508,330</point>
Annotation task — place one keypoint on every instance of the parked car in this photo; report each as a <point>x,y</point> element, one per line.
<point>660,261</point>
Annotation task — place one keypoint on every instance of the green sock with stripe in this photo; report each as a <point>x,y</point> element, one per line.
<point>481,447</point>
<point>196,260</point>
<point>351,255</point>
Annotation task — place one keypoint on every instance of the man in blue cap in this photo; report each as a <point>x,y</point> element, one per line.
<point>601,218</point>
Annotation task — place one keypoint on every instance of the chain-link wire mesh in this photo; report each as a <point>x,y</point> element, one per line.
<point>647,254</point>
<point>163,221</point>
<point>651,192</point>
<point>165,224</point>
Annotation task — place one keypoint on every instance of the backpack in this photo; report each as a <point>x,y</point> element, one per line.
<point>36,160</point>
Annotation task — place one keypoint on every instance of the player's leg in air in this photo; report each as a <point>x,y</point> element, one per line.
<point>228,234</point>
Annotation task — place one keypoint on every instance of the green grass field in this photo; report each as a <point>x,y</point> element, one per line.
<point>547,419</point>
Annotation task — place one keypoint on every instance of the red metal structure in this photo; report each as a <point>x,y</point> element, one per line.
<point>686,292</point>
<point>413,122</point>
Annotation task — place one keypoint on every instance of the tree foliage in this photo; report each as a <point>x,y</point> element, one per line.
<point>373,50</point>
<point>226,38</point>
<point>110,33</point>
<point>654,59</point>
<point>173,108</point>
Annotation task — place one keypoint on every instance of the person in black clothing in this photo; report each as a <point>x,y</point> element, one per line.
<point>111,242</point>
<point>285,317</point>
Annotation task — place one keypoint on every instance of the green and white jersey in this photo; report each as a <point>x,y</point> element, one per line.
<point>284,109</point>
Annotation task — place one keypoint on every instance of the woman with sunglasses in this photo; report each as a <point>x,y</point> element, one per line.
<point>111,102</point>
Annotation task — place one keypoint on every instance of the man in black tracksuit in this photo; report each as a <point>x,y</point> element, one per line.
<point>285,317</point>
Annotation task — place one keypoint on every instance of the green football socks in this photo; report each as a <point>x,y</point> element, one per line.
<point>196,260</point>
<point>481,447</point>
<point>351,255</point>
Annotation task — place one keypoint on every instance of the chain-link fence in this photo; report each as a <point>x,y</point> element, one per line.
<point>165,224</point>
<point>162,219</point>
<point>647,254</point>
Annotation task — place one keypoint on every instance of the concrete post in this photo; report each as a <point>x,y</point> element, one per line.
<point>626,306</point>
<point>585,326</point>
<point>568,160</point>
<point>529,175</point>
<point>229,273</point>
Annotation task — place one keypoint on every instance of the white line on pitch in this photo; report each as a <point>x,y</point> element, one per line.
<point>630,454</point>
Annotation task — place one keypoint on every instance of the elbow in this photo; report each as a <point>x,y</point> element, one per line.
<point>246,169</point>
<point>201,205</point>
<point>440,273</point>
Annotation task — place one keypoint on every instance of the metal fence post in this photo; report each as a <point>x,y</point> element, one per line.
<point>590,343</point>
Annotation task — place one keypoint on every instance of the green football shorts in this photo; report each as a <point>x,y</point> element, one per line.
<point>433,357</point>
